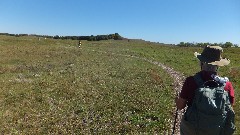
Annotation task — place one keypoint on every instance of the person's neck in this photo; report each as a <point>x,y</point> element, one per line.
<point>207,74</point>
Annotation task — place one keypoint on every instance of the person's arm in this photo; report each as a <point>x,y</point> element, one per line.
<point>186,93</point>
<point>180,103</point>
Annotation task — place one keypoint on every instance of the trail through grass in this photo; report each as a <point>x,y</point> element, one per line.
<point>53,87</point>
<point>61,89</point>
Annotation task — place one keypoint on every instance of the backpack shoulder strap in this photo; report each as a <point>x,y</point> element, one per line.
<point>198,79</point>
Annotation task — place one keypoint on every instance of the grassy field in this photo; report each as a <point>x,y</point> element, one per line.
<point>52,87</point>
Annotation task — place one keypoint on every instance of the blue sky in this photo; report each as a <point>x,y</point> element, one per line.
<point>165,21</point>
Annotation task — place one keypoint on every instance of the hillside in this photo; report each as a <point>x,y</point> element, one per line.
<point>107,87</point>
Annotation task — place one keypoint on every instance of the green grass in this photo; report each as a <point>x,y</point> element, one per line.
<point>53,87</point>
<point>181,59</point>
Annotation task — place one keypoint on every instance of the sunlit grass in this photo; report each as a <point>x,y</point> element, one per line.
<point>183,60</point>
<point>58,88</point>
<point>53,87</point>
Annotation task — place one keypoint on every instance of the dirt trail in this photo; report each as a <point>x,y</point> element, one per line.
<point>178,79</point>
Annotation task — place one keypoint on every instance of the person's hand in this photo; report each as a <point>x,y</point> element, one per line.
<point>180,102</point>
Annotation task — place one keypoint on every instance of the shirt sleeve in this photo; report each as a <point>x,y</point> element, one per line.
<point>230,90</point>
<point>188,89</point>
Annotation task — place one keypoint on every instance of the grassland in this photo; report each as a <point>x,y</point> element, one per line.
<point>52,87</point>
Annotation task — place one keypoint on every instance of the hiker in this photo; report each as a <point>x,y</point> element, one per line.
<point>208,97</point>
<point>79,44</point>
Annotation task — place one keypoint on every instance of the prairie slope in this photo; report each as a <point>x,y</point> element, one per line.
<point>51,86</point>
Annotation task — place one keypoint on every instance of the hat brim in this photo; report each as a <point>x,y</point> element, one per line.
<point>222,62</point>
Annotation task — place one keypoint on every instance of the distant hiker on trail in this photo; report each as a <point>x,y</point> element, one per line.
<point>209,98</point>
<point>79,44</point>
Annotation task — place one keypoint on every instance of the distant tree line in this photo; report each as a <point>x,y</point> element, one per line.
<point>115,36</point>
<point>20,35</point>
<point>224,45</point>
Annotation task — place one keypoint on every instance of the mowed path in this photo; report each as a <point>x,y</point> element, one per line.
<point>178,79</point>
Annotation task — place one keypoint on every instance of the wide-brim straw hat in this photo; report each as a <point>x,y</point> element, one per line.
<point>212,55</point>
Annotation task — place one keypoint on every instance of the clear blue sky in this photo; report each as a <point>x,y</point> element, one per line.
<point>166,21</point>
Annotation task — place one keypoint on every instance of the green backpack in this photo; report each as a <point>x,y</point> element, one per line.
<point>211,112</point>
